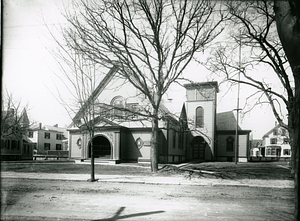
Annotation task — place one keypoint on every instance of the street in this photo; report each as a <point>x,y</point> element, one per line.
<point>27,199</point>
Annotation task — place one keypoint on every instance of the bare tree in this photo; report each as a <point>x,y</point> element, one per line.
<point>255,24</point>
<point>255,34</point>
<point>14,119</point>
<point>79,76</point>
<point>287,15</point>
<point>151,42</point>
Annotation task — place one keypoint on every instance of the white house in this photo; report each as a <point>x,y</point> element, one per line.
<point>48,138</point>
<point>276,143</point>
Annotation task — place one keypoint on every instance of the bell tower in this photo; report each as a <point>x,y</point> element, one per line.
<point>201,99</point>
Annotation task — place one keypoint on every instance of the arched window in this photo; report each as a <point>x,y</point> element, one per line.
<point>199,117</point>
<point>229,144</point>
<point>119,104</point>
<point>174,139</point>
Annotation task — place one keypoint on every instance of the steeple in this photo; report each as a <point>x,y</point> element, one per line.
<point>201,91</point>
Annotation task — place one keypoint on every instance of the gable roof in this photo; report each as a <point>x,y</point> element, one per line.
<point>106,121</point>
<point>271,131</point>
<point>24,117</point>
<point>104,82</point>
<point>11,115</point>
<point>97,91</point>
<point>57,129</point>
<point>183,117</point>
<point>226,121</point>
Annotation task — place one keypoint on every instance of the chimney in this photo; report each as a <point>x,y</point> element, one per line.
<point>56,125</point>
<point>40,126</point>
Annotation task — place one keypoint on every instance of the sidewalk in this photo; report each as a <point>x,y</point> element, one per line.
<point>154,180</point>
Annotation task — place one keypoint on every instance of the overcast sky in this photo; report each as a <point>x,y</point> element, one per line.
<point>28,68</point>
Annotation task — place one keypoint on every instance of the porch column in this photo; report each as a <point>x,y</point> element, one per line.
<point>116,147</point>
<point>84,147</point>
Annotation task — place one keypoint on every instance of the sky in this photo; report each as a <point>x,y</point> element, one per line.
<point>29,69</point>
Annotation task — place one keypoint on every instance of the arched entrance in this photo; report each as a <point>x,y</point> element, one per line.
<point>198,148</point>
<point>102,147</point>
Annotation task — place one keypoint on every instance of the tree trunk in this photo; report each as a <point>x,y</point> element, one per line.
<point>295,144</point>
<point>154,144</point>
<point>294,131</point>
<point>92,161</point>
<point>287,14</point>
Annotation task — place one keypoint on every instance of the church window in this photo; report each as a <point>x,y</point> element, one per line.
<point>132,111</point>
<point>174,139</point>
<point>180,139</point>
<point>199,117</point>
<point>229,144</point>
<point>139,143</point>
<point>119,105</point>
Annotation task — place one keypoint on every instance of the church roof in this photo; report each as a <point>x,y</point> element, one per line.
<point>162,108</point>
<point>96,92</point>
<point>226,121</point>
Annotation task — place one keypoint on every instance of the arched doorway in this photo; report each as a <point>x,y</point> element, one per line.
<point>102,147</point>
<point>198,148</point>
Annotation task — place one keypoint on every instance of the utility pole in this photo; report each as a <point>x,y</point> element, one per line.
<point>238,108</point>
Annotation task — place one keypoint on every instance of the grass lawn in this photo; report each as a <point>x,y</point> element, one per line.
<point>224,170</point>
<point>250,170</point>
<point>74,168</point>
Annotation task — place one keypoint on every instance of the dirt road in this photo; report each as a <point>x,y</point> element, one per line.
<point>25,199</point>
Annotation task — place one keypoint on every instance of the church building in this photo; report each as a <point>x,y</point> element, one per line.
<point>123,133</point>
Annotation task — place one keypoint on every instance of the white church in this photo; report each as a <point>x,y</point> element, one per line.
<point>198,134</point>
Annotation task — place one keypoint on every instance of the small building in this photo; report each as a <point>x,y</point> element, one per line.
<point>48,140</point>
<point>226,139</point>
<point>255,145</point>
<point>15,145</point>
<point>276,144</point>
<point>273,146</point>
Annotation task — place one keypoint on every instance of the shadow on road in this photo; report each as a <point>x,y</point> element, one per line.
<point>11,193</point>
<point>118,215</point>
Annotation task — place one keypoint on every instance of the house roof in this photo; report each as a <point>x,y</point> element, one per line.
<point>271,131</point>
<point>226,121</point>
<point>58,129</point>
<point>50,128</point>
<point>24,117</point>
<point>10,114</point>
